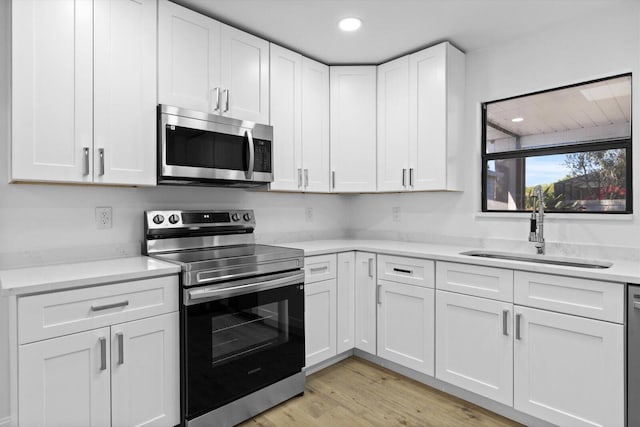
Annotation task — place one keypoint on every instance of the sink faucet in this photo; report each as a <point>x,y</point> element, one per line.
<point>536,233</point>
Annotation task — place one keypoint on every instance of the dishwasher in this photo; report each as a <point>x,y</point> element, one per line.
<point>633,355</point>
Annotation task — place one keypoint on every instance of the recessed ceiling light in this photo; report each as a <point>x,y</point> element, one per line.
<point>349,24</point>
<point>517,119</point>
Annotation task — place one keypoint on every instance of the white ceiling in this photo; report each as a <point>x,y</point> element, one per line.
<point>392,28</point>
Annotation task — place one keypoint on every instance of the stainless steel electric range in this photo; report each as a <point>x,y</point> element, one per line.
<point>241,314</point>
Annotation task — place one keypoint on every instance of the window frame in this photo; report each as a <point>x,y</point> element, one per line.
<point>598,145</point>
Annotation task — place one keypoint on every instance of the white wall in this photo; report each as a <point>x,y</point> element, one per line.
<point>587,48</point>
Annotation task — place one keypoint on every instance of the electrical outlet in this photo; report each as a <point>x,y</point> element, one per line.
<point>308,214</point>
<point>395,213</point>
<point>103,217</point>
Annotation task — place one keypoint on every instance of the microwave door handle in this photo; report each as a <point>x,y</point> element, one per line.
<point>249,173</point>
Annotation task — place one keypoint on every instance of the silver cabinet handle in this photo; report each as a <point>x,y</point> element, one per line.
<point>313,269</point>
<point>299,177</point>
<point>217,99</point>
<point>85,161</point>
<point>333,179</point>
<point>103,354</point>
<point>249,173</point>
<point>410,177</point>
<point>518,316</point>
<point>306,178</point>
<point>108,306</point>
<point>228,95</point>
<point>404,178</point>
<point>120,339</point>
<point>370,261</point>
<point>378,289</point>
<point>101,156</point>
<point>505,314</point>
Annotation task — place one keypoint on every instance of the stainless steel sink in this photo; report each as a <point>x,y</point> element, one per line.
<point>540,259</point>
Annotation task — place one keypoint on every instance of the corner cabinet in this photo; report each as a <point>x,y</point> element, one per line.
<point>353,128</point>
<point>300,117</point>
<point>101,356</point>
<point>208,66</point>
<point>420,120</point>
<point>84,102</point>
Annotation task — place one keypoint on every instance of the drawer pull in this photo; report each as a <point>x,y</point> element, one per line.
<point>120,338</point>
<point>518,316</point>
<point>318,269</point>
<point>103,354</point>
<point>402,270</point>
<point>505,314</point>
<point>108,306</point>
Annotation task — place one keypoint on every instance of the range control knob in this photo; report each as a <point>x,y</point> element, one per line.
<point>235,217</point>
<point>247,217</point>
<point>158,219</point>
<point>174,219</point>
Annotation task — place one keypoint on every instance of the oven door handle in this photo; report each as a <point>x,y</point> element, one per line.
<point>219,293</point>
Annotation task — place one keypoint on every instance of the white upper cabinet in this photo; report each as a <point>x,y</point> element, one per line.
<point>300,119</point>
<point>286,118</point>
<point>420,101</point>
<point>83,102</point>
<point>393,125</point>
<point>353,128</point>
<point>205,65</point>
<point>124,92</point>
<point>315,125</point>
<point>52,90</point>
<point>188,59</point>
<point>436,108</point>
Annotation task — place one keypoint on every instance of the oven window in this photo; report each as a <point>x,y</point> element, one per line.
<point>239,332</point>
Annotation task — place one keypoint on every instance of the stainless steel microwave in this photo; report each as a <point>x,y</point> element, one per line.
<point>196,148</point>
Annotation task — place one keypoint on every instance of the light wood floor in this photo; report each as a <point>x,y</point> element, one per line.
<point>355,392</point>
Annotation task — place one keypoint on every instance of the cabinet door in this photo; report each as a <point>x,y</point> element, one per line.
<point>315,125</point>
<point>428,118</point>
<point>125,92</point>
<point>320,321</point>
<point>52,105</point>
<point>245,75</point>
<point>145,384</point>
<point>65,381</point>
<point>406,325</point>
<point>353,128</point>
<point>188,59</point>
<point>365,302</point>
<point>393,125</point>
<point>568,370</point>
<point>346,301</point>
<point>474,345</point>
<point>286,118</point>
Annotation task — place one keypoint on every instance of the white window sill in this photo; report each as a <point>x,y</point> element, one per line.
<point>555,216</point>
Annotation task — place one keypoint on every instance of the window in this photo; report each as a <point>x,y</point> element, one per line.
<point>575,142</point>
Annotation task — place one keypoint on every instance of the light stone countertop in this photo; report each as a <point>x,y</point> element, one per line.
<point>48,278</point>
<point>621,271</point>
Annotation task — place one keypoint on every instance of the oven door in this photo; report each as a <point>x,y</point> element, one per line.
<point>195,149</point>
<point>240,337</point>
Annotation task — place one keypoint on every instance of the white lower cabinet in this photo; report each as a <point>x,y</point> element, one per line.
<point>345,301</point>
<point>65,381</point>
<point>569,370</point>
<point>365,302</point>
<point>320,321</point>
<point>406,325</point>
<point>474,344</point>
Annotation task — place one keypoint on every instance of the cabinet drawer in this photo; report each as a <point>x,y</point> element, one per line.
<point>60,313</point>
<point>412,271</point>
<point>320,267</point>
<point>487,282</point>
<point>582,297</point>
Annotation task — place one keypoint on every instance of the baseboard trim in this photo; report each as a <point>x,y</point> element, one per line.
<point>326,363</point>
